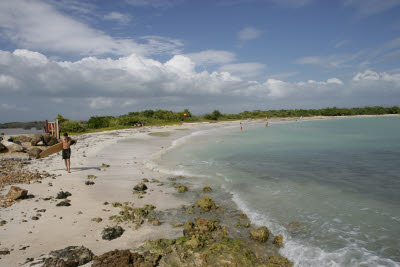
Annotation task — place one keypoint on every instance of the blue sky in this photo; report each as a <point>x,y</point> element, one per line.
<point>84,58</point>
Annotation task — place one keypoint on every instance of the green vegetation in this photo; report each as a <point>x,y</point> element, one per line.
<point>167,117</point>
<point>24,125</point>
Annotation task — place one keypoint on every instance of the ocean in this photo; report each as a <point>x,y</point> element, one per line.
<point>330,187</point>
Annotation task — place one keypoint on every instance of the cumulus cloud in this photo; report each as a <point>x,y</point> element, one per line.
<point>136,82</point>
<point>118,17</point>
<point>249,33</point>
<point>38,25</point>
<point>212,57</point>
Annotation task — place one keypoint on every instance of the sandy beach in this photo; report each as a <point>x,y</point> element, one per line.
<point>115,161</point>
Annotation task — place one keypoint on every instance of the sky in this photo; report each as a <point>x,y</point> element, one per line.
<point>100,57</point>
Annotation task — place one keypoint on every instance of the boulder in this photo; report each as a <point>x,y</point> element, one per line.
<point>206,204</point>
<point>260,234</point>
<point>16,193</point>
<point>207,189</point>
<point>69,256</point>
<point>36,139</point>
<point>140,187</point>
<point>111,233</point>
<point>49,140</point>
<point>63,195</point>
<point>13,147</point>
<point>3,147</point>
<point>34,152</point>
<point>24,138</point>
<point>278,241</point>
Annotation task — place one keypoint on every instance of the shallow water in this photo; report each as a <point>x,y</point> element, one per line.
<point>338,179</point>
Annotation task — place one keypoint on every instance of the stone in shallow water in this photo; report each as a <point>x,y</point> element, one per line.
<point>278,241</point>
<point>260,234</point>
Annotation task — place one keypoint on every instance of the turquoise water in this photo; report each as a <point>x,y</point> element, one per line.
<point>338,180</point>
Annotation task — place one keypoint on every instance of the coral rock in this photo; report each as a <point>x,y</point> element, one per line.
<point>260,234</point>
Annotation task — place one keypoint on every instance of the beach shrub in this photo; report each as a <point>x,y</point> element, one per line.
<point>72,126</point>
<point>99,122</point>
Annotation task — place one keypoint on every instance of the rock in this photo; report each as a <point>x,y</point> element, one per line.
<point>16,193</point>
<point>36,139</point>
<point>2,147</point>
<point>207,189</point>
<point>24,138</point>
<point>277,261</point>
<point>205,203</point>
<point>89,183</point>
<point>188,227</point>
<point>63,204</point>
<point>63,195</point>
<point>125,258</point>
<point>34,152</point>
<point>140,187</point>
<point>278,241</point>
<point>181,188</point>
<point>295,227</point>
<point>35,218</point>
<point>49,140</point>
<point>91,176</point>
<point>260,234</point>
<point>4,252</point>
<point>105,165</point>
<point>112,233</point>
<point>72,256</point>
<point>98,219</point>
<point>3,222</point>
<point>247,224</point>
<point>145,180</point>
<point>13,147</point>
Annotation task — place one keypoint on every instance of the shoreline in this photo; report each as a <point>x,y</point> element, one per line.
<point>113,184</point>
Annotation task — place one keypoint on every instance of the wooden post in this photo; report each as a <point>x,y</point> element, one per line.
<point>46,126</point>
<point>57,130</point>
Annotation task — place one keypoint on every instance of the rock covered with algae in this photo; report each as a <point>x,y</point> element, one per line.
<point>260,234</point>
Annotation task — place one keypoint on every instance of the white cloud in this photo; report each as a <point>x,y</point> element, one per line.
<point>119,17</point>
<point>249,33</point>
<point>212,57</point>
<point>134,81</point>
<point>244,70</point>
<point>370,7</point>
<point>154,3</point>
<point>13,107</point>
<point>38,25</point>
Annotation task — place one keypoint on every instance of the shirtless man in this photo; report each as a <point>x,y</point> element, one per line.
<point>66,152</point>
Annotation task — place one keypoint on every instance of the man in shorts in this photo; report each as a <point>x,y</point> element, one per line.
<point>66,152</point>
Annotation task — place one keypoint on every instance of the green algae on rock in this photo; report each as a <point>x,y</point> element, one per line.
<point>128,214</point>
<point>105,165</point>
<point>181,188</point>
<point>278,241</point>
<point>111,233</point>
<point>207,189</point>
<point>260,234</point>
<point>206,204</point>
<point>91,176</point>
<point>97,219</point>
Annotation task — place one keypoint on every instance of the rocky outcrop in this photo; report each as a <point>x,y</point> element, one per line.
<point>49,140</point>
<point>260,234</point>
<point>36,139</point>
<point>125,258</point>
<point>13,147</point>
<point>34,152</point>
<point>278,241</point>
<point>111,233</point>
<point>16,193</point>
<point>69,256</point>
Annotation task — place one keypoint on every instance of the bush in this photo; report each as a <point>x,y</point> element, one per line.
<point>72,126</point>
<point>99,122</point>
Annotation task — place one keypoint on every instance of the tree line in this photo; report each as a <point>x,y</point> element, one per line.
<point>165,117</point>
